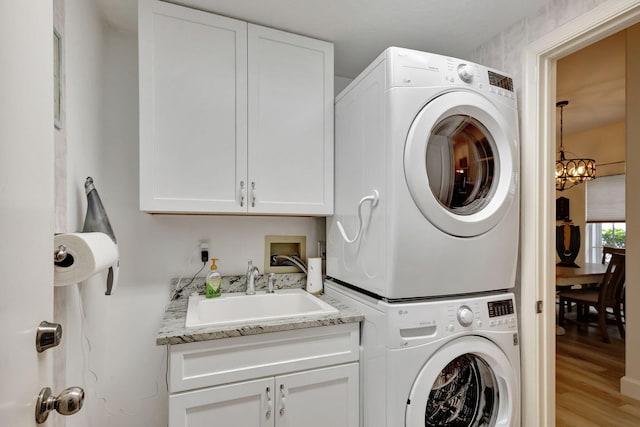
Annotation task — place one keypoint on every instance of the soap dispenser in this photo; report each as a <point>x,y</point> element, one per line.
<point>212,289</point>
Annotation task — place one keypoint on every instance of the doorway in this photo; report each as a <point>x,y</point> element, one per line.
<point>538,203</point>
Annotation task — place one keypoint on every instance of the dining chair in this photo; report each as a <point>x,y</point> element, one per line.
<point>606,256</point>
<point>609,294</point>
<point>607,251</point>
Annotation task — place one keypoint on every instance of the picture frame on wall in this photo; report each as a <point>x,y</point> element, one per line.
<point>57,79</point>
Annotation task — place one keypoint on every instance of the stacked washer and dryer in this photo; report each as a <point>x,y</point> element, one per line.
<point>424,239</point>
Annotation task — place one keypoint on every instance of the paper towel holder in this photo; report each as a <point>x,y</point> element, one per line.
<point>68,254</point>
<point>62,257</point>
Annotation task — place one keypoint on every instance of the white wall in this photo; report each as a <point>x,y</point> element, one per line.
<point>83,47</point>
<point>110,340</point>
<point>340,83</point>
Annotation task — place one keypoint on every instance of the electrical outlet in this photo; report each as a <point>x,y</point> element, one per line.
<point>204,251</point>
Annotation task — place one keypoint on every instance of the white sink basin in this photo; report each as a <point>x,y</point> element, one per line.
<point>234,308</point>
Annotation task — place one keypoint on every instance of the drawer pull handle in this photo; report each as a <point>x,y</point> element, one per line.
<point>243,192</point>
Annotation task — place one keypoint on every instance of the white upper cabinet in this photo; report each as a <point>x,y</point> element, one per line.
<point>234,117</point>
<point>193,109</point>
<point>290,122</point>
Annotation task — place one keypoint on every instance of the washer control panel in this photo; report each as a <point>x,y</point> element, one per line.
<point>477,313</point>
<point>419,322</point>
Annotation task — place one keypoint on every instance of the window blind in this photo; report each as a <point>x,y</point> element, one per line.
<point>605,199</point>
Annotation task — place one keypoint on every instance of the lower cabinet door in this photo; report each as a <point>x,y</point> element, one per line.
<point>319,398</point>
<point>245,404</point>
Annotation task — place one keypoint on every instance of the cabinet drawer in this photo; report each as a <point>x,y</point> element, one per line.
<point>209,363</point>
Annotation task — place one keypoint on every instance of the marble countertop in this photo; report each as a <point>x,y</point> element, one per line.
<point>173,331</point>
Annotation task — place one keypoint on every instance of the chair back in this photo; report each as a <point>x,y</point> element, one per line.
<point>607,251</point>
<point>612,285</point>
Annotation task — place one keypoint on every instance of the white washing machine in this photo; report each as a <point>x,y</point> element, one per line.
<point>439,362</point>
<point>426,178</point>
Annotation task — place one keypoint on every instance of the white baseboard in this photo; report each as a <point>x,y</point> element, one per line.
<point>630,387</point>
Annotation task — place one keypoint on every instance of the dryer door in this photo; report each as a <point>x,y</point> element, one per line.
<point>460,163</point>
<point>468,382</point>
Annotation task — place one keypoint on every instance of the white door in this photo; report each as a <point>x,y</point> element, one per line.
<point>467,382</point>
<point>461,163</point>
<point>26,204</point>
<point>319,398</point>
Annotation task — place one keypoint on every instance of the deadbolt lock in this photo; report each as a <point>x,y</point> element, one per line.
<point>48,335</point>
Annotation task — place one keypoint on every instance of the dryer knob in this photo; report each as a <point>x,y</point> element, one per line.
<point>465,316</point>
<point>465,72</point>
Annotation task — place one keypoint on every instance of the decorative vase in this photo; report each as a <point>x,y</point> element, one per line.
<point>568,244</point>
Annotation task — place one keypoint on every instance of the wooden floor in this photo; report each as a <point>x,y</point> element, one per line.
<point>588,374</point>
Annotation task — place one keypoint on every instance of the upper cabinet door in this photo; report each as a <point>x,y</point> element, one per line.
<point>193,111</point>
<point>290,123</point>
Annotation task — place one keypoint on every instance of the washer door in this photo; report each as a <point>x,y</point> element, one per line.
<point>460,163</point>
<point>467,383</point>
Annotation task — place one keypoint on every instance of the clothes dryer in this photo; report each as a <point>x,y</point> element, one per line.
<point>438,362</point>
<point>426,178</point>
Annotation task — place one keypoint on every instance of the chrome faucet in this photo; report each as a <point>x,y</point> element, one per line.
<point>252,274</point>
<point>293,260</point>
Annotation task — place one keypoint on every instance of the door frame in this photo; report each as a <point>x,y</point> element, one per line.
<point>538,196</point>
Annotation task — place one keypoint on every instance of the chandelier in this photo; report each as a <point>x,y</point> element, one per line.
<point>572,171</point>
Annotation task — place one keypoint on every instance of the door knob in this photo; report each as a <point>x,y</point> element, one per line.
<point>66,403</point>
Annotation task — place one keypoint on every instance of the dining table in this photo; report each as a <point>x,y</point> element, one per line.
<point>586,273</point>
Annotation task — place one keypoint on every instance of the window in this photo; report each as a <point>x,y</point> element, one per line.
<point>605,216</point>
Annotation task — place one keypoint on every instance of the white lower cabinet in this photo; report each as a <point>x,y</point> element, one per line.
<point>319,397</point>
<point>248,403</point>
<point>322,397</point>
<point>306,377</point>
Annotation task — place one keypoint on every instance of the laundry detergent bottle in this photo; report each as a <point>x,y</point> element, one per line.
<point>212,289</point>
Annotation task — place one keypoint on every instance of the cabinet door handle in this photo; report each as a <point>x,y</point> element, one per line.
<point>243,193</point>
<point>269,404</point>
<point>253,194</point>
<point>282,399</point>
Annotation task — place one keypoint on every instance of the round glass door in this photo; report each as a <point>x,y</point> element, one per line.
<point>467,383</point>
<point>460,163</point>
<point>464,393</point>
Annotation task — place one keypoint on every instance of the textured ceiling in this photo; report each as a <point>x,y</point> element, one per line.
<point>591,79</point>
<point>361,29</point>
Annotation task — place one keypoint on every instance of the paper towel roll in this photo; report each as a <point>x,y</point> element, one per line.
<point>314,276</point>
<point>87,254</point>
